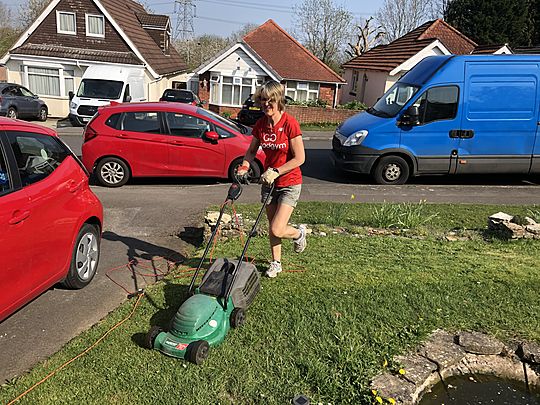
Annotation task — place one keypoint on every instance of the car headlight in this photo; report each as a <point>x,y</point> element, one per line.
<point>356,138</point>
<point>73,105</point>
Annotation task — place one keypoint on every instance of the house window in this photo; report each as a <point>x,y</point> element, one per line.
<point>65,23</point>
<point>214,89</point>
<point>302,91</point>
<point>69,81</point>
<point>95,25</point>
<point>235,90</point>
<point>44,81</point>
<point>354,82</point>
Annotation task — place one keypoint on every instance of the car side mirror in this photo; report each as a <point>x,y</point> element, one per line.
<point>127,99</point>
<point>71,95</point>
<point>212,136</point>
<point>410,117</point>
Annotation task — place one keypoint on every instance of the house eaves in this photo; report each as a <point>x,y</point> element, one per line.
<point>250,52</point>
<point>427,51</point>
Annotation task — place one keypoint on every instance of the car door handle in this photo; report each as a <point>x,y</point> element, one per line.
<point>18,216</point>
<point>454,133</point>
<point>467,133</point>
<point>73,187</point>
<point>177,143</point>
<point>122,136</point>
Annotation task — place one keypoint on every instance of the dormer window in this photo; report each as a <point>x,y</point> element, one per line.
<point>95,25</point>
<point>65,23</point>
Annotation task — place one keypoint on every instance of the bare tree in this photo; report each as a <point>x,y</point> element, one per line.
<point>8,32</point>
<point>397,17</point>
<point>30,10</point>
<point>322,26</point>
<point>365,38</point>
<point>437,8</point>
<point>200,49</point>
<point>241,33</point>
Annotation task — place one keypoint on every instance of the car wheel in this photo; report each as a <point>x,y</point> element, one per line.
<point>197,351</point>
<point>238,317</point>
<point>391,170</point>
<point>85,258</point>
<point>42,115</point>
<point>112,172</point>
<point>151,336</point>
<point>12,113</point>
<point>254,170</point>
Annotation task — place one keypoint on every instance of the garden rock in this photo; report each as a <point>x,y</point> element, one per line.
<point>510,227</point>
<point>212,217</point>
<point>390,386</point>
<point>479,343</point>
<point>530,352</point>
<point>440,349</point>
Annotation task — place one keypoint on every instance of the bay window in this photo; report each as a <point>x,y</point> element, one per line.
<point>302,91</point>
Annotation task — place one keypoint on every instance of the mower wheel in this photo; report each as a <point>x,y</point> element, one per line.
<point>197,351</point>
<point>238,317</point>
<point>151,336</point>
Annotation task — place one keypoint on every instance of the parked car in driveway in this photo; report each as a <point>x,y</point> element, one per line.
<point>17,101</point>
<point>181,96</point>
<point>50,220</point>
<point>163,139</point>
<point>251,112</point>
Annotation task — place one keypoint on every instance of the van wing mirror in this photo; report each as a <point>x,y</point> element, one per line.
<point>71,95</point>
<point>410,117</point>
<point>211,136</point>
<point>127,99</point>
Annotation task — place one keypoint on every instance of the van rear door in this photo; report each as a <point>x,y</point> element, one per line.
<point>499,123</point>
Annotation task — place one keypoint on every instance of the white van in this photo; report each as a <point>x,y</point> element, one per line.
<point>102,84</point>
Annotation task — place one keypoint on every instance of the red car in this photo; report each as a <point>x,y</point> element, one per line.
<point>163,139</point>
<point>50,220</point>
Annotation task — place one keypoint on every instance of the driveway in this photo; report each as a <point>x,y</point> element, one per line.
<point>144,219</point>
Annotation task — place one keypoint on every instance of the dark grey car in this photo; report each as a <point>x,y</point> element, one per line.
<point>17,101</point>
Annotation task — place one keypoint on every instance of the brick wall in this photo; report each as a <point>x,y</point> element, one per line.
<point>313,115</point>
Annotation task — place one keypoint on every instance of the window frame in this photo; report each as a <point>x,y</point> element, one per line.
<point>162,129</point>
<point>59,30</point>
<point>307,89</point>
<point>422,119</point>
<point>86,19</point>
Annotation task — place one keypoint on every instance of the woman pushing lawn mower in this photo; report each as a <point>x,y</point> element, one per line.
<point>280,137</point>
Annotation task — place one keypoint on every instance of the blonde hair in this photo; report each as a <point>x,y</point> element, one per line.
<point>271,90</point>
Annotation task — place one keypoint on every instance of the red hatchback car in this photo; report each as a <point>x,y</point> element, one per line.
<point>163,139</point>
<point>50,220</point>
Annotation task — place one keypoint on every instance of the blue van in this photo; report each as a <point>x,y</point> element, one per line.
<point>466,114</point>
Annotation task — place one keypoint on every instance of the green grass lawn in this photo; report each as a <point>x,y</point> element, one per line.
<point>325,326</point>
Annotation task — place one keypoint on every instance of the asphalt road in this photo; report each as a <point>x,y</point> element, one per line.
<point>144,219</point>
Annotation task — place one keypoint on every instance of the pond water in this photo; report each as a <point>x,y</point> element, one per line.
<point>480,390</point>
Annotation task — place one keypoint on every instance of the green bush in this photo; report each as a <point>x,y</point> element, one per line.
<point>309,103</point>
<point>353,105</point>
<point>226,114</point>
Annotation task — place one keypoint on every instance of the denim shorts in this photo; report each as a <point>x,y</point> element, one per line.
<point>283,195</point>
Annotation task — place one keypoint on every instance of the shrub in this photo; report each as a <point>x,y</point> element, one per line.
<point>353,105</point>
<point>309,103</point>
<point>404,215</point>
<point>226,114</point>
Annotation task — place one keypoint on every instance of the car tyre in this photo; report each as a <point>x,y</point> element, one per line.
<point>391,170</point>
<point>238,317</point>
<point>12,113</point>
<point>84,259</point>
<point>151,336</point>
<point>197,351</point>
<point>254,172</point>
<point>112,172</point>
<point>42,115</point>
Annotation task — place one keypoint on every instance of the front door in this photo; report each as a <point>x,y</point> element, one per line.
<point>431,140</point>
<point>191,154</point>
<point>500,117</point>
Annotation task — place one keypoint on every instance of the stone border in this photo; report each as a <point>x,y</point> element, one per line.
<point>445,355</point>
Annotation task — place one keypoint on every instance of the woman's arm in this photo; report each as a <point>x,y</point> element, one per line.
<point>250,153</point>
<point>296,146</point>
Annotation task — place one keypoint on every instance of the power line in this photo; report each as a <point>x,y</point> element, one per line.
<point>285,10</point>
<point>184,11</point>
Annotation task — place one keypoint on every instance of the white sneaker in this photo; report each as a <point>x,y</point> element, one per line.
<point>300,243</point>
<point>274,269</point>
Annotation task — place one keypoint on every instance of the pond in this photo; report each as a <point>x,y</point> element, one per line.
<point>480,389</point>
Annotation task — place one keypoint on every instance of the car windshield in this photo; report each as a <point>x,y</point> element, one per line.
<point>96,88</point>
<point>222,120</point>
<point>182,96</point>
<point>393,100</point>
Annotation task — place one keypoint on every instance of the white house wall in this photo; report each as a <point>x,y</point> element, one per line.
<point>375,86</point>
<point>239,63</point>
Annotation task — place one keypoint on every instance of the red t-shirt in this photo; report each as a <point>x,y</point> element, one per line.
<point>275,142</point>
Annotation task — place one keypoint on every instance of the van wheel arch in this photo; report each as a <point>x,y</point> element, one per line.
<point>397,159</point>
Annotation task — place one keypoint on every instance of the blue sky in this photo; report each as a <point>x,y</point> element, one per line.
<point>222,17</point>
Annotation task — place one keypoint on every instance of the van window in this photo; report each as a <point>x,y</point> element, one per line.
<point>393,100</point>
<point>438,103</point>
<point>141,121</point>
<point>97,88</point>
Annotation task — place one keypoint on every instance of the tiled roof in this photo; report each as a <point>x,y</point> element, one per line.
<point>77,53</point>
<point>286,56</point>
<point>126,13</point>
<point>487,49</point>
<point>527,50</point>
<point>387,57</point>
<point>153,20</point>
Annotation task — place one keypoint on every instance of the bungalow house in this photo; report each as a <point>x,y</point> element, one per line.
<point>52,55</point>
<point>267,52</point>
<point>369,75</point>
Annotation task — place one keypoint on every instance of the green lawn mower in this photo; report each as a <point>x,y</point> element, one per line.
<point>220,302</point>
